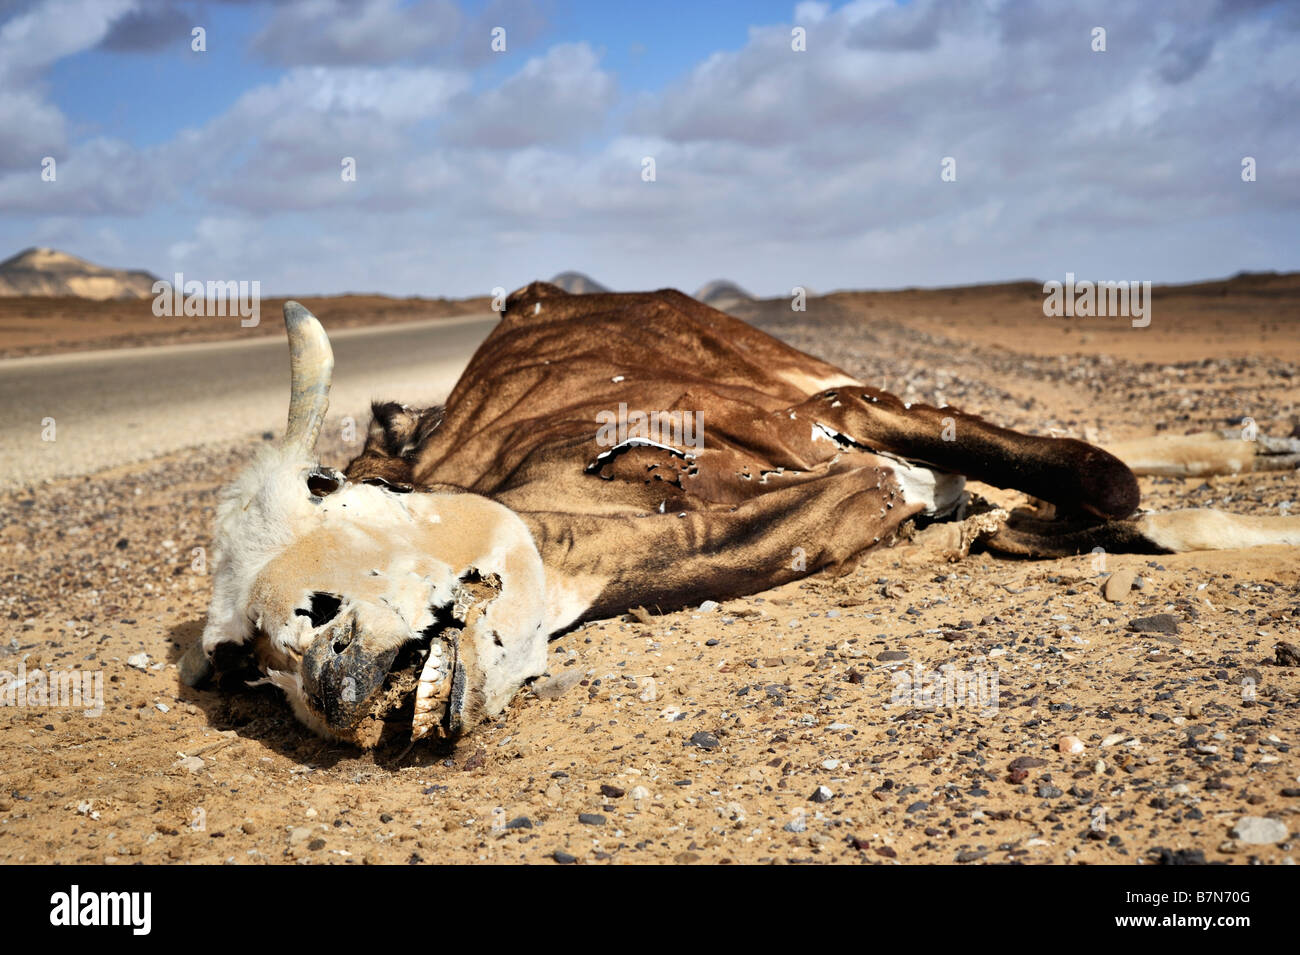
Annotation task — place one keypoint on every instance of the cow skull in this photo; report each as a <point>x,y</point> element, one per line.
<point>369,605</point>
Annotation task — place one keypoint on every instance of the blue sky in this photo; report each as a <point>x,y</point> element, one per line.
<point>775,167</point>
<point>105,89</point>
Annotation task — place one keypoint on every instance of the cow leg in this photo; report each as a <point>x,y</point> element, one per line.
<point>1077,477</point>
<point>1164,532</point>
<point>1210,529</point>
<point>1209,452</point>
<point>597,566</point>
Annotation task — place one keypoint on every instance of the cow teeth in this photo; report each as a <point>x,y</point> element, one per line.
<point>432,692</point>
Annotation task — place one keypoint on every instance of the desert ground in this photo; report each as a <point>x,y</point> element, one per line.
<point>759,730</point>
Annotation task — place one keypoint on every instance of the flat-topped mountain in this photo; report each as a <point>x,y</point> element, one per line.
<point>39,271</point>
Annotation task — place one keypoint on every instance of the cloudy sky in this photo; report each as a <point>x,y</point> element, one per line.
<point>773,166</point>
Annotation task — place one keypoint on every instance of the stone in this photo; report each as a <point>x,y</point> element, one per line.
<point>1026,762</point>
<point>1260,830</point>
<point>1156,623</point>
<point>558,685</point>
<point>1118,585</point>
<point>1286,654</point>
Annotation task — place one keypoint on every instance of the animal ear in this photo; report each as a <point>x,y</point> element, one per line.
<point>389,427</point>
<point>396,430</point>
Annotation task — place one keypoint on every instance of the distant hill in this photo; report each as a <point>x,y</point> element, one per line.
<point>54,273</point>
<point>722,294</point>
<point>577,283</point>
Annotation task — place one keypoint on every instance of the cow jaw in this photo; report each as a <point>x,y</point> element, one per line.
<point>368,606</point>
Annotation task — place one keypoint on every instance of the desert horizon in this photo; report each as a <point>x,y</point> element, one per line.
<point>49,324</point>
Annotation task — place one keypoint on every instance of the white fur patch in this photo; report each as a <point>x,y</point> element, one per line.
<point>258,515</point>
<point>938,492</point>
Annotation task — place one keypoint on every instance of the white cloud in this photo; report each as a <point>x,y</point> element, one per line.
<point>31,127</point>
<point>561,97</point>
<point>366,32</point>
<point>34,39</point>
<point>395,94</point>
<point>389,32</point>
<point>101,176</point>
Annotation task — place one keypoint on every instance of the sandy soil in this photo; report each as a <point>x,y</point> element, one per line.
<point>706,735</point>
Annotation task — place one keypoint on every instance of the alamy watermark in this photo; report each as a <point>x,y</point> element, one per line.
<point>946,687</point>
<point>130,909</point>
<point>1101,299</point>
<point>83,689</point>
<point>179,297</point>
<point>674,429</point>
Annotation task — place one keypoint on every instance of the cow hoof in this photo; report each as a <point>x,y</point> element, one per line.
<point>195,666</point>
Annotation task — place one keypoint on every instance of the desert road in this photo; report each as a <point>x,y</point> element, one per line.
<point>111,408</point>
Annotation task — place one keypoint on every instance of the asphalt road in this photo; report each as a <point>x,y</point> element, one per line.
<point>117,407</point>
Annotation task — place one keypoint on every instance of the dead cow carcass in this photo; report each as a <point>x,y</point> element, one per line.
<point>414,592</point>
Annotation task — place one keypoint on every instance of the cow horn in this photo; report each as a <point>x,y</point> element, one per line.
<point>311,363</point>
